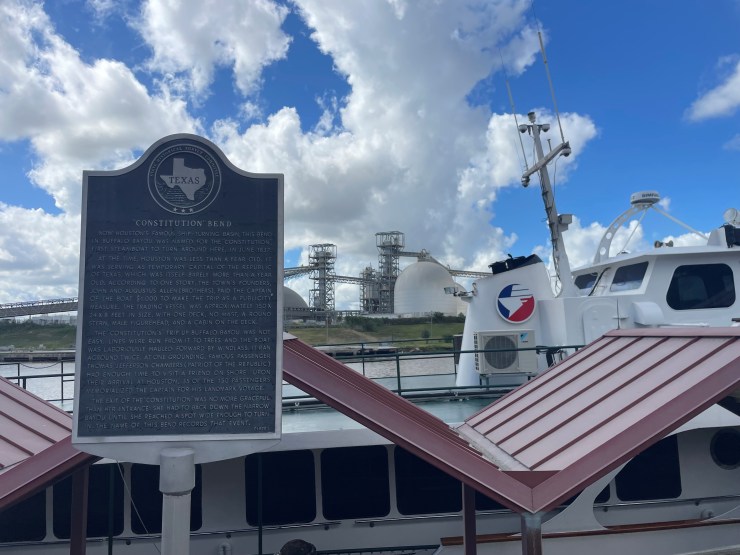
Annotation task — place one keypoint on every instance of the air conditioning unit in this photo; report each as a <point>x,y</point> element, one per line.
<point>508,357</point>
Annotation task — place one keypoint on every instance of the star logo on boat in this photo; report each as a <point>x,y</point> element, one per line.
<point>184,178</point>
<point>515,303</point>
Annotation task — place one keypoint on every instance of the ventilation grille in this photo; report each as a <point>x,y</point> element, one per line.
<point>505,352</point>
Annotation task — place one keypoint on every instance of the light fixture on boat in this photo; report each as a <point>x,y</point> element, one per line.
<point>564,220</point>
<point>455,292</point>
<point>659,244</point>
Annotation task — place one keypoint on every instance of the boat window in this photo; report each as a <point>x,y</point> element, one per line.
<point>652,474</point>
<point>585,282</point>
<point>725,448</point>
<point>484,503</point>
<point>105,481</point>
<point>146,500</point>
<point>24,521</point>
<point>354,482</point>
<point>627,278</point>
<point>422,488</point>
<point>288,493</point>
<point>701,286</point>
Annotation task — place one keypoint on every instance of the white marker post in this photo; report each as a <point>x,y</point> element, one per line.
<point>176,482</point>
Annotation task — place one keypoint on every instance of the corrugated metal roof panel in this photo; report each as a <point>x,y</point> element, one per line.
<point>35,446</point>
<point>28,424</point>
<point>608,401</point>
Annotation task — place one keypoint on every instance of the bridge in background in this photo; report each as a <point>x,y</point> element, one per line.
<point>30,308</point>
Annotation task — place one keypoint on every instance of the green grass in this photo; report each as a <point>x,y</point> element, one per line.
<point>32,336</point>
<point>58,336</point>
<point>404,335</point>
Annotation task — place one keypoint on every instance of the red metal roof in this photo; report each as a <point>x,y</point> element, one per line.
<point>598,408</point>
<point>35,447</point>
<point>28,424</point>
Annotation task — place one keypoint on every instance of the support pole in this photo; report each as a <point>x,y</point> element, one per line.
<point>176,482</point>
<point>78,535</point>
<point>531,533</point>
<point>469,533</point>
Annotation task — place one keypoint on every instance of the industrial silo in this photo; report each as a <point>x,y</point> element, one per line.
<point>294,306</point>
<point>420,289</point>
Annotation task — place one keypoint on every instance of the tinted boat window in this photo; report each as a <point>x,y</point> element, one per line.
<point>485,503</point>
<point>288,487</point>
<point>585,282</point>
<point>701,286</point>
<point>24,521</point>
<point>653,474</point>
<point>146,500</point>
<point>628,277</point>
<point>422,488</point>
<point>354,482</point>
<point>725,448</point>
<point>103,479</point>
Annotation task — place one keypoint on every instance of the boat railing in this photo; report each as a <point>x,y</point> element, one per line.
<point>682,500</point>
<point>413,374</point>
<point>28,376</point>
<point>228,534</point>
<point>605,506</point>
<point>401,377</point>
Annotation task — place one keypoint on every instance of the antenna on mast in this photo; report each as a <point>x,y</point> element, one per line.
<point>549,79</point>
<point>547,71</point>
<point>513,109</point>
<point>557,223</point>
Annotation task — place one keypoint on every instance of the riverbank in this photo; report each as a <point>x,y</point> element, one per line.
<point>431,334</point>
<point>61,355</point>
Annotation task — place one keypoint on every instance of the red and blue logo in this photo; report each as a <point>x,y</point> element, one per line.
<point>515,303</point>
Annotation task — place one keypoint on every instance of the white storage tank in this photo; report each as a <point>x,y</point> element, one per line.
<point>420,289</point>
<point>294,305</point>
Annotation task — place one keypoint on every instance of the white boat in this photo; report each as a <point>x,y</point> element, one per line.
<point>668,286</point>
<point>345,488</point>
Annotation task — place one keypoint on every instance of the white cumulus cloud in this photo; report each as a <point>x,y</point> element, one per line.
<point>723,100</point>
<point>404,150</point>
<point>196,38</point>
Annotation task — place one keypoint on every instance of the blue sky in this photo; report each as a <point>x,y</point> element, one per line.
<point>383,115</point>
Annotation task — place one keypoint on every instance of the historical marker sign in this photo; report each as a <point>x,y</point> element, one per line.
<point>180,339</point>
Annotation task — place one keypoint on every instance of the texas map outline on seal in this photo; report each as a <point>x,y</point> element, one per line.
<point>189,180</point>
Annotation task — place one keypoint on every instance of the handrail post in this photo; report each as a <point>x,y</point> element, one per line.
<point>398,372</point>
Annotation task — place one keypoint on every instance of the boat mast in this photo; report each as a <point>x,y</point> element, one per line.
<point>556,222</point>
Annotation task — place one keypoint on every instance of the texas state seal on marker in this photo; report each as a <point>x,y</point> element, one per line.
<point>184,178</point>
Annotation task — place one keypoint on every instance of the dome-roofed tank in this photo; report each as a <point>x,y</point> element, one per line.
<point>420,289</point>
<point>294,305</point>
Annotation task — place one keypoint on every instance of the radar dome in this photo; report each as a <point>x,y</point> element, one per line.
<point>420,289</point>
